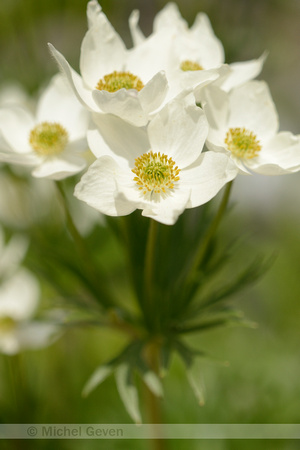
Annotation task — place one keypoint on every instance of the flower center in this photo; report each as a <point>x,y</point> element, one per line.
<point>6,324</point>
<point>188,65</point>
<point>155,173</point>
<point>48,138</point>
<point>119,80</point>
<point>242,143</point>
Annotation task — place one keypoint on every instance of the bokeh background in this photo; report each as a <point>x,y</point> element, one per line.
<point>262,382</point>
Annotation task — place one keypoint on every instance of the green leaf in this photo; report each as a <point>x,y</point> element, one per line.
<point>128,392</point>
<point>165,359</point>
<point>195,381</point>
<point>153,383</point>
<point>100,374</point>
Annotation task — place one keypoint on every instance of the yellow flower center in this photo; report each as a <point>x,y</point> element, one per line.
<point>48,138</point>
<point>155,173</point>
<point>242,143</point>
<point>119,80</point>
<point>188,65</point>
<point>7,324</point>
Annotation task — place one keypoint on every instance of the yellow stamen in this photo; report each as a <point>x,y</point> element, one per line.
<point>119,80</point>
<point>188,65</point>
<point>155,172</point>
<point>48,138</point>
<point>242,143</point>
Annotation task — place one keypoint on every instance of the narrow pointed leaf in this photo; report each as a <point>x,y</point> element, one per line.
<point>100,374</point>
<point>153,383</point>
<point>128,392</point>
<point>195,381</point>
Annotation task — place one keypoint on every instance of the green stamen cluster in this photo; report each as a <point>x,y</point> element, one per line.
<point>119,80</point>
<point>48,138</point>
<point>155,172</point>
<point>242,143</point>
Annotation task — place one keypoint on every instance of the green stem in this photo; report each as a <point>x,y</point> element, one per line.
<point>152,402</point>
<point>149,264</point>
<point>95,278</point>
<point>76,236</point>
<point>204,244</point>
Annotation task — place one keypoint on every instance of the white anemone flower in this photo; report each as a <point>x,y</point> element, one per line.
<point>244,124</point>
<point>53,141</point>
<point>194,49</point>
<point>109,82</point>
<point>161,170</point>
<point>19,298</point>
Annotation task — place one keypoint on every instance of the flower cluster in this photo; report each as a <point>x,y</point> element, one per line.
<point>163,126</point>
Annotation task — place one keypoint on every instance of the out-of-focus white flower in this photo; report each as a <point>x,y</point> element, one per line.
<point>54,141</point>
<point>14,94</point>
<point>196,51</point>
<point>11,254</point>
<point>19,297</point>
<point>23,201</point>
<point>244,124</point>
<point>160,171</point>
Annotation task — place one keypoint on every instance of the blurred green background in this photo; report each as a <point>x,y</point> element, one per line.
<point>262,382</point>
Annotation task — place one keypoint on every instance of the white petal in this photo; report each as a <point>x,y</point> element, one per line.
<point>150,57</point>
<point>15,126</point>
<point>169,17</point>
<point>168,209</point>
<point>9,343</point>
<point>122,103</point>
<point>179,131</point>
<point>135,31</point>
<point>59,104</point>
<point>93,11</point>
<point>19,296</point>
<point>197,78</point>
<point>210,48</point>
<point>216,107</point>
<point>59,167</point>
<point>34,335</point>
<point>154,93</point>
<point>82,92</point>
<point>212,172</point>
<point>278,156</point>
<point>242,72</point>
<point>112,136</point>
<point>102,51</point>
<point>98,188</point>
<point>252,107</point>
<point>12,254</point>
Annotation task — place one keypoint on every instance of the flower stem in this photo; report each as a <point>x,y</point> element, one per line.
<point>76,236</point>
<point>152,402</point>
<point>149,265</point>
<point>94,277</point>
<point>204,244</point>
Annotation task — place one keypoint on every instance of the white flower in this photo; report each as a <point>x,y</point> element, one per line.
<point>161,171</point>
<point>244,125</point>
<point>19,297</point>
<point>14,93</point>
<point>109,81</point>
<point>193,49</point>
<point>11,254</point>
<point>54,141</point>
